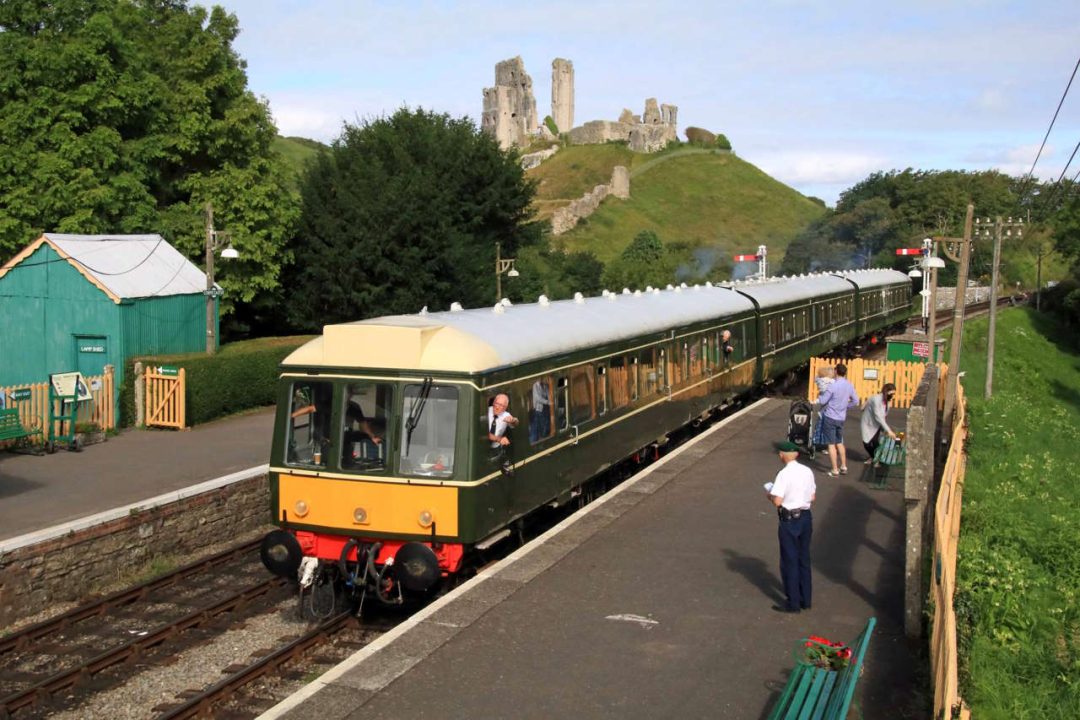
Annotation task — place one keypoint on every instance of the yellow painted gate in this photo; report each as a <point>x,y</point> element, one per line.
<point>165,397</point>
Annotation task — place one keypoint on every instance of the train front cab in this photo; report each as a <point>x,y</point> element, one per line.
<point>363,470</point>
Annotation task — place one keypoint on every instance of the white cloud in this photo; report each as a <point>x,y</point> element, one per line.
<point>820,168</point>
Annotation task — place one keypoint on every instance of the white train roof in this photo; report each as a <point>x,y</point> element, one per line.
<point>488,338</point>
<point>782,291</point>
<point>483,339</point>
<point>875,277</point>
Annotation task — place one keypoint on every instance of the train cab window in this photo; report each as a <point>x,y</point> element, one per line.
<point>619,382</point>
<point>363,434</point>
<point>428,429</point>
<point>308,432</point>
<point>541,411</point>
<point>601,390</point>
<point>581,395</point>
<point>562,391</point>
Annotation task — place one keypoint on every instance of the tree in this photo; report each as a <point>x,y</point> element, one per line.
<point>121,116</point>
<point>645,261</point>
<point>402,212</point>
<point>556,274</point>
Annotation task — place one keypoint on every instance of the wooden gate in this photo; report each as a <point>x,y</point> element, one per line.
<point>165,397</point>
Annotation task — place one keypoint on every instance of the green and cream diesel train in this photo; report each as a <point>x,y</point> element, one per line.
<point>382,469</point>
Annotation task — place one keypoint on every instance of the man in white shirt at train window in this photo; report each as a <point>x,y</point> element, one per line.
<point>498,420</point>
<point>792,493</point>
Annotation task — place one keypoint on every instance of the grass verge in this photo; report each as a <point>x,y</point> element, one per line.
<point>1018,573</point>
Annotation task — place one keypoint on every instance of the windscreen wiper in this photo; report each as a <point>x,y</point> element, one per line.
<point>416,409</point>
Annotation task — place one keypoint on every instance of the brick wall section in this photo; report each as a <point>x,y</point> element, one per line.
<point>81,563</point>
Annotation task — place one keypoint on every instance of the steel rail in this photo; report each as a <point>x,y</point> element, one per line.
<point>20,639</point>
<point>132,649</point>
<point>202,705</point>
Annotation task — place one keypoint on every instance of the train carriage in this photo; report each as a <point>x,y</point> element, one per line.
<point>382,473</point>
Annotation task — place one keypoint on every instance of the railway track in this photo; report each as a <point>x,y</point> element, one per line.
<point>72,653</point>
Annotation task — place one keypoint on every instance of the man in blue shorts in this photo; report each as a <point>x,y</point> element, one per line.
<point>835,401</point>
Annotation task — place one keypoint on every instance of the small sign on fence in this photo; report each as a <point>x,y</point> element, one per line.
<point>21,394</point>
<point>170,370</point>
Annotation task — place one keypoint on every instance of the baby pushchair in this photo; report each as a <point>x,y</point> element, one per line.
<point>802,430</point>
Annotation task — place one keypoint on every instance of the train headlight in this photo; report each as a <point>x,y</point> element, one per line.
<point>300,508</point>
<point>425,518</point>
<point>359,516</point>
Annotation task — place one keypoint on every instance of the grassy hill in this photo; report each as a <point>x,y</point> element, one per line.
<point>296,151</point>
<point>691,195</point>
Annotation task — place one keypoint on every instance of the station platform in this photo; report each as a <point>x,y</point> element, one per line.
<point>38,492</point>
<point>653,602</point>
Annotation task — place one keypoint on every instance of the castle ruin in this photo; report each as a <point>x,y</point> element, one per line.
<point>562,94</point>
<point>510,113</point>
<point>509,107</point>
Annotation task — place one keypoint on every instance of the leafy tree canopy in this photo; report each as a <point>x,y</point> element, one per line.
<point>402,212</point>
<point>127,116</point>
<point>897,209</point>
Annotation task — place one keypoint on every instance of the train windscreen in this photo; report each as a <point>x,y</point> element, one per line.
<point>429,430</point>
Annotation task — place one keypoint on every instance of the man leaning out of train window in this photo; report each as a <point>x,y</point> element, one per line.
<point>498,420</point>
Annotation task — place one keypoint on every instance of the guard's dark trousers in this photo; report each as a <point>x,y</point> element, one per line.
<point>795,559</point>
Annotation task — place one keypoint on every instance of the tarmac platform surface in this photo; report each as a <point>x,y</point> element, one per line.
<point>37,492</point>
<point>653,602</point>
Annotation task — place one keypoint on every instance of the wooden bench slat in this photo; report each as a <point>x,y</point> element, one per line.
<point>814,693</point>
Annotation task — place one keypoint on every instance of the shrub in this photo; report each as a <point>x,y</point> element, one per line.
<point>241,375</point>
<point>722,142</point>
<point>699,136</point>
<point>550,123</point>
<point>816,200</point>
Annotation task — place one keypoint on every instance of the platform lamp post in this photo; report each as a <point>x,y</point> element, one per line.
<point>214,239</point>
<point>502,265</point>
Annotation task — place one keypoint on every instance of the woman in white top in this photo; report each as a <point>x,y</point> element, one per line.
<point>872,423</point>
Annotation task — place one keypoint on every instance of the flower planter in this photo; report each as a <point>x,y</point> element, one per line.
<point>91,438</point>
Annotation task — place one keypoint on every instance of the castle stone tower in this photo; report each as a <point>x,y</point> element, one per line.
<point>562,94</point>
<point>509,107</point>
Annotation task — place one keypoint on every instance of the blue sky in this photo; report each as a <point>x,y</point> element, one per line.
<point>818,95</point>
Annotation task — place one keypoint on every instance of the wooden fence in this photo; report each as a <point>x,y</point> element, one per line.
<point>165,397</point>
<point>943,656</point>
<point>869,375</point>
<point>33,405</point>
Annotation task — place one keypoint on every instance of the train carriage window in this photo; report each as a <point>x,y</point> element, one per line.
<point>601,390</point>
<point>632,381</point>
<point>619,382</point>
<point>562,391</point>
<point>429,430</point>
<point>363,432</point>
<point>705,354</point>
<point>769,334</point>
<point>308,432</point>
<point>651,373</point>
<point>581,395</point>
<point>541,425</point>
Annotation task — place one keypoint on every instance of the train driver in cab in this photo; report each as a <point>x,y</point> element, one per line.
<point>499,420</point>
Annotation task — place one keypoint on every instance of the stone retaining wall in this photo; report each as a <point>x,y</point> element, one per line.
<point>565,218</point>
<point>80,563</point>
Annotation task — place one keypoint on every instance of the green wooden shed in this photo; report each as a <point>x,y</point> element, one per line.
<point>80,302</point>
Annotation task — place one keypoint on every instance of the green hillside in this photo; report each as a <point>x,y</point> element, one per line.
<point>296,151</point>
<point>695,196</point>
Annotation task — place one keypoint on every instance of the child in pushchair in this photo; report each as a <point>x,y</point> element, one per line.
<point>802,429</point>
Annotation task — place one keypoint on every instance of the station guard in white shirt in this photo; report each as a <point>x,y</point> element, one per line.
<point>792,493</point>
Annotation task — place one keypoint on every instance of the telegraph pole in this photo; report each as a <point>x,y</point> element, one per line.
<point>1000,227</point>
<point>959,308</point>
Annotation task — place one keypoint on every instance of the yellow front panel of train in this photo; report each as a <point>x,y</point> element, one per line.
<point>371,506</point>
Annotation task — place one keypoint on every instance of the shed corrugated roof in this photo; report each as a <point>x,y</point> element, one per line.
<point>131,266</point>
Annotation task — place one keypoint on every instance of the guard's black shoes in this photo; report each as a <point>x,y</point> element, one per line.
<point>784,609</point>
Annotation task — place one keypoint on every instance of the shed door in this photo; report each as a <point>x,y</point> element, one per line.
<point>91,354</point>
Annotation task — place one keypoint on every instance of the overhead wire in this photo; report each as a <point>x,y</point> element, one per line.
<point>1053,120</point>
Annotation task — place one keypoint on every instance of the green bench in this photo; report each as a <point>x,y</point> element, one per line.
<point>889,458</point>
<point>11,428</point>
<point>816,693</point>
